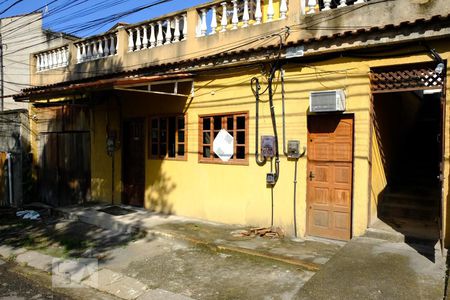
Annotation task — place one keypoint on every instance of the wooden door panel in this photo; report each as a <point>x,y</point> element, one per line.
<point>330,156</point>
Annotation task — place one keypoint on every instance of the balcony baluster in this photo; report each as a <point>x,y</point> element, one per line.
<point>234,19</point>
<point>152,36</point>
<point>138,39</point>
<point>258,13</point>
<point>160,37</point>
<point>185,27</point>
<point>106,49</point>
<point>176,33</point>
<point>130,40</point>
<point>283,9</point>
<point>168,33</point>
<point>270,11</point>
<point>145,37</point>
<point>245,16</point>
<point>224,21</point>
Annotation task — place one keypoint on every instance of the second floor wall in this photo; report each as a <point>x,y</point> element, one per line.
<point>221,28</point>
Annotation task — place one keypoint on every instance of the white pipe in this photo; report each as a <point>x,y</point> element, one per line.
<point>9,158</point>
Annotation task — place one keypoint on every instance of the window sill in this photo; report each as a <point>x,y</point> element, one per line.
<point>217,162</point>
<point>169,158</point>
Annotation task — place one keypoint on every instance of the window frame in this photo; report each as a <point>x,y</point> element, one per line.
<point>225,115</point>
<point>150,155</point>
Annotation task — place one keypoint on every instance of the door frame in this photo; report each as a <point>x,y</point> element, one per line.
<point>348,115</point>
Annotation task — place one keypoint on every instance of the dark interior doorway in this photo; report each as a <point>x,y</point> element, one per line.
<point>408,129</point>
<point>133,162</point>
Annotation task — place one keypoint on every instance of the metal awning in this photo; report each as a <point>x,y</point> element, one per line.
<point>118,83</point>
<point>172,87</point>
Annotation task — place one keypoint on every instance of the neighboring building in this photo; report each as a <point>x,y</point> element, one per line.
<point>20,35</point>
<point>130,116</point>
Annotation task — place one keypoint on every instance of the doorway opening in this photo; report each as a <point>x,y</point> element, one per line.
<point>133,162</point>
<point>408,137</point>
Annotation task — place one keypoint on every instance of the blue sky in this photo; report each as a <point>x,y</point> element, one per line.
<point>61,16</point>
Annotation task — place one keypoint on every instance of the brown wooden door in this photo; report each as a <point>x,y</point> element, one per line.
<point>65,173</point>
<point>330,169</point>
<point>133,167</point>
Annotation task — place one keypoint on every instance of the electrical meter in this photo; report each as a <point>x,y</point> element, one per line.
<point>271,178</point>
<point>293,150</point>
<point>268,146</point>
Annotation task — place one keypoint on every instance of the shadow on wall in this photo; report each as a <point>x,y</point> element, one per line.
<point>159,192</point>
<point>143,162</point>
<point>63,138</point>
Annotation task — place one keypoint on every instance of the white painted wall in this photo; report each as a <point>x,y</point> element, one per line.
<point>22,36</point>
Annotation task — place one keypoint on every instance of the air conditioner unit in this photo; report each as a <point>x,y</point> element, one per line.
<point>327,101</point>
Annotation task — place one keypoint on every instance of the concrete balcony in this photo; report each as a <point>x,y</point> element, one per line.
<point>220,27</point>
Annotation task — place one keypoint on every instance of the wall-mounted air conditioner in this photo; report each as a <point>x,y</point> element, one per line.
<point>327,101</point>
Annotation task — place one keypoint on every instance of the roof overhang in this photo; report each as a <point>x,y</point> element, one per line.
<point>131,84</point>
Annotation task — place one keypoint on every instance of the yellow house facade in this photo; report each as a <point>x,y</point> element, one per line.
<point>148,132</point>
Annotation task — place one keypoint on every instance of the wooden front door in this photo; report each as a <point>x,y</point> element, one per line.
<point>330,169</point>
<point>133,167</point>
<point>64,173</point>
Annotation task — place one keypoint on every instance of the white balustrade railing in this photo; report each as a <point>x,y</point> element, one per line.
<point>234,14</point>
<point>314,6</point>
<point>97,47</point>
<point>52,59</point>
<point>157,33</point>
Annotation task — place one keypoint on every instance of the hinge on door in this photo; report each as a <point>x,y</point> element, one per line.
<point>440,177</point>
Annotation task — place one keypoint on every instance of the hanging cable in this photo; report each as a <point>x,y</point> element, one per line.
<point>255,82</point>
<point>274,121</point>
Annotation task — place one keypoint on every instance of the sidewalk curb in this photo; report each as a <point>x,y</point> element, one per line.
<point>108,222</point>
<point>28,258</point>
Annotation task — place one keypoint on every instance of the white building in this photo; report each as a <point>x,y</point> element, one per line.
<point>22,35</point>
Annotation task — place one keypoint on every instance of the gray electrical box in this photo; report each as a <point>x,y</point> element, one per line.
<point>268,146</point>
<point>293,150</point>
<point>270,178</point>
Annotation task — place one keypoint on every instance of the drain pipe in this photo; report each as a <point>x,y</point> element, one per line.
<point>10,186</point>
<point>283,113</point>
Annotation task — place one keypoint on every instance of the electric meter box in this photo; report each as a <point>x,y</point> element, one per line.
<point>293,150</point>
<point>268,146</point>
<point>270,178</point>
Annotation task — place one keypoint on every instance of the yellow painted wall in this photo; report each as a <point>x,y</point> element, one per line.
<point>237,193</point>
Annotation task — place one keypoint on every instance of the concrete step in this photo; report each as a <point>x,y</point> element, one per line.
<point>404,230</point>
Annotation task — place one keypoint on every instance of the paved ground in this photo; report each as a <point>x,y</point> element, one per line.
<point>179,258</point>
<point>368,268</point>
<point>201,273</point>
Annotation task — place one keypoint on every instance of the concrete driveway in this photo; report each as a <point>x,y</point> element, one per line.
<point>368,268</point>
